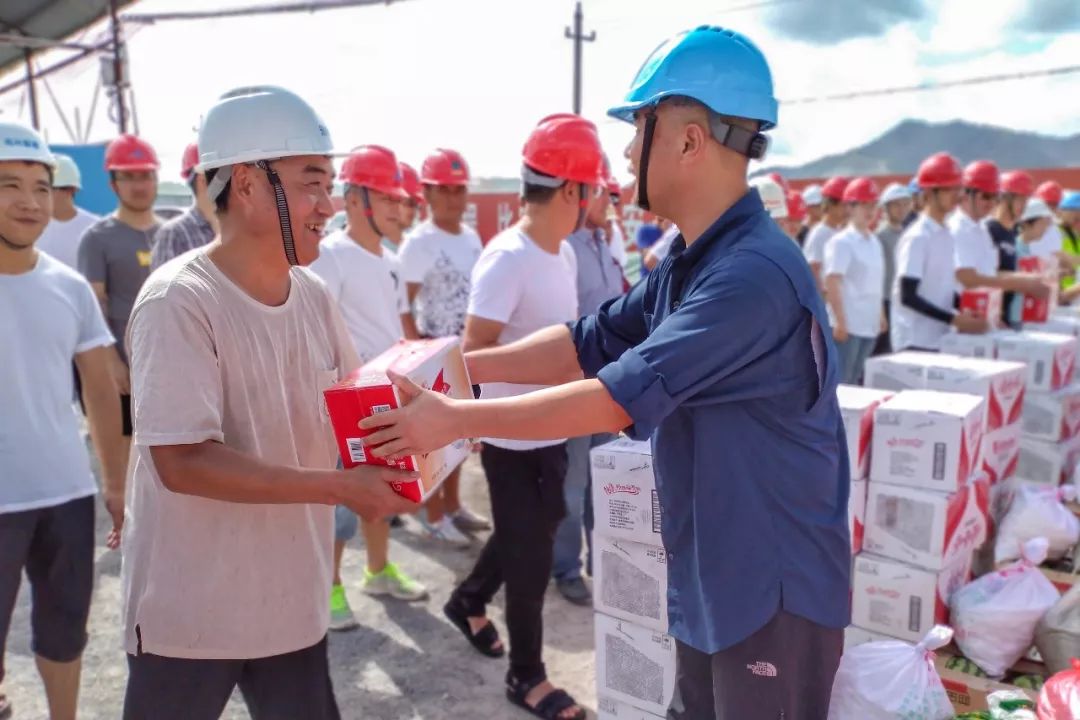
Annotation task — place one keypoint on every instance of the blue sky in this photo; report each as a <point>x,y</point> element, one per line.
<point>478,74</point>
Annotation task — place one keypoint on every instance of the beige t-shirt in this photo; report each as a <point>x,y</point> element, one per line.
<point>210,579</point>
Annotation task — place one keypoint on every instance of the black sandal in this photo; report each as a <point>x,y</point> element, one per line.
<point>550,706</point>
<point>483,639</point>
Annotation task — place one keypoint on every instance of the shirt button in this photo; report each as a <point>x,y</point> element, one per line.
<point>675,306</point>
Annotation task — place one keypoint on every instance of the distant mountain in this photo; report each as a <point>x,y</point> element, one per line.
<point>900,150</point>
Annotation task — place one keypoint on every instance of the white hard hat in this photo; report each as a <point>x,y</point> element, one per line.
<point>67,173</point>
<point>772,197</point>
<point>19,142</point>
<point>1035,209</point>
<point>812,195</point>
<point>895,191</point>
<point>260,123</point>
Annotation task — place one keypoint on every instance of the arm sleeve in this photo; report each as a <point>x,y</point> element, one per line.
<point>415,263</point>
<point>496,286</point>
<point>837,257</point>
<point>93,330</point>
<point>92,258</point>
<point>910,298</point>
<point>967,250</point>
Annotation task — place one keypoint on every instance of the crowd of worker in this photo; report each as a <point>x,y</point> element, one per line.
<point>197,350</point>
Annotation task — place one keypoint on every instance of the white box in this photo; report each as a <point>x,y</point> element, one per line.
<point>1059,323</point>
<point>857,406</point>
<point>634,665</point>
<point>1051,359</point>
<point>926,438</point>
<point>611,709</point>
<point>630,581</point>
<point>857,515</point>
<point>900,371</point>
<point>1047,463</point>
<point>625,502</point>
<point>900,600</point>
<point>1001,453</point>
<point>856,636</point>
<point>968,345</point>
<point>1053,417</point>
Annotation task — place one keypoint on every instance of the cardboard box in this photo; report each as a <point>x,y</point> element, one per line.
<point>1067,323</point>
<point>625,503</point>
<point>857,515</point>
<point>900,600</point>
<point>926,528</point>
<point>900,371</point>
<point>1038,310</point>
<point>968,345</point>
<point>1051,359</point>
<point>1047,463</point>
<point>433,364</point>
<point>1053,417</point>
<point>925,438</point>
<point>634,665</point>
<point>1001,453</point>
<point>967,692</point>
<point>857,406</point>
<point>630,581</point>
<point>983,302</point>
<point>856,636</point>
<point>1063,581</point>
<point>611,709</point>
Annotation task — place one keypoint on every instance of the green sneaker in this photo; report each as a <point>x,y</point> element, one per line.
<point>391,581</point>
<point>341,615</point>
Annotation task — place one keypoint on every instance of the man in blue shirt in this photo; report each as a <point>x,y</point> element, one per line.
<point>724,358</point>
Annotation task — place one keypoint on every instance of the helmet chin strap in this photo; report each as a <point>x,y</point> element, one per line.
<point>283,212</point>
<point>369,212</point>
<point>646,150</point>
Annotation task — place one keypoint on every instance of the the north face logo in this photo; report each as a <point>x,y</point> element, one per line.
<point>763,669</point>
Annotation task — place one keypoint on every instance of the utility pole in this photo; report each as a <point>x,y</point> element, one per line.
<point>118,70</point>
<point>578,38</point>
<point>35,120</point>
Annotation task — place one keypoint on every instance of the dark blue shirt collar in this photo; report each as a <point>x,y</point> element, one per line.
<point>745,207</point>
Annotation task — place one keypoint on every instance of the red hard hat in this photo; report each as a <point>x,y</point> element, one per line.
<point>796,206</point>
<point>566,146</point>
<point>410,180</point>
<point>444,167</point>
<point>861,190</point>
<point>940,170</point>
<point>1017,182</point>
<point>613,187</point>
<point>1050,192</point>
<point>779,180</point>
<point>189,161</point>
<point>375,168</point>
<point>128,152</point>
<point>834,187</point>
<point>982,175</point>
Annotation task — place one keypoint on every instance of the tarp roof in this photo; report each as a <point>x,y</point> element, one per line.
<point>43,23</point>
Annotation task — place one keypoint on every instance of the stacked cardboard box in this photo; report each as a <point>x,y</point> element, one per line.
<point>635,657</point>
<point>857,405</point>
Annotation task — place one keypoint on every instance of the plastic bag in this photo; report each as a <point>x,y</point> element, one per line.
<point>1038,511</point>
<point>995,616</point>
<point>1010,705</point>
<point>1058,635</point>
<point>1060,696</point>
<point>892,680</point>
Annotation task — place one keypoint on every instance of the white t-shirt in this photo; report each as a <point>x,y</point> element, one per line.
<point>61,237</point>
<point>368,289</point>
<point>49,316</point>
<point>442,263</point>
<point>926,251</point>
<point>1051,242</point>
<point>814,247</point>
<point>205,578</point>
<point>662,247</point>
<point>617,243</point>
<point>974,245</point>
<point>517,283</point>
<point>859,259</point>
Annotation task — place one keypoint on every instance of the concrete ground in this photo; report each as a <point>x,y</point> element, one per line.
<point>405,662</point>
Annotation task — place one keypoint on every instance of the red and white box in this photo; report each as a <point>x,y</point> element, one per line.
<point>857,405</point>
<point>1001,453</point>
<point>1061,324</point>
<point>1038,310</point>
<point>927,439</point>
<point>1053,417</point>
<point>436,365</point>
<point>625,502</point>
<point>630,581</point>
<point>634,665</point>
<point>969,345</point>
<point>900,371</point>
<point>1051,358</point>
<point>901,600</point>
<point>1047,463</point>
<point>856,636</point>
<point>857,515</point>
<point>926,528</point>
<point>983,302</point>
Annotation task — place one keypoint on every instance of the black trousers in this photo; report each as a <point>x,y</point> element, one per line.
<point>527,505</point>
<point>784,671</point>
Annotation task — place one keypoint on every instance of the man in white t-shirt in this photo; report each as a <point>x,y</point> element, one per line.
<point>924,292</point>
<point>834,215</point>
<point>854,267</point>
<point>437,259</point>
<point>1051,244</point>
<point>365,280</point>
<point>526,280</point>
<point>51,318</point>
<point>228,544</point>
<point>69,222</point>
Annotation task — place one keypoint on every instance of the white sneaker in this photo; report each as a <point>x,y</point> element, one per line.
<point>467,520</point>
<point>445,531</point>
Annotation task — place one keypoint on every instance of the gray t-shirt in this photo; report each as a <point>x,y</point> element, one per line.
<point>889,238</point>
<point>599,275</point>
<point>118,255</point>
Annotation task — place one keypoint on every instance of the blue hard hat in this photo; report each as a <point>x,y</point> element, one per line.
<point>720,68</point>
<point>1071,201</point>
<point>913,186</point>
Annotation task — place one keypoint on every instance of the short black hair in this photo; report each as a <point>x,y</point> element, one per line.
<point>191,182</point>
<point>539,194</point>
<point>221,202</point>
